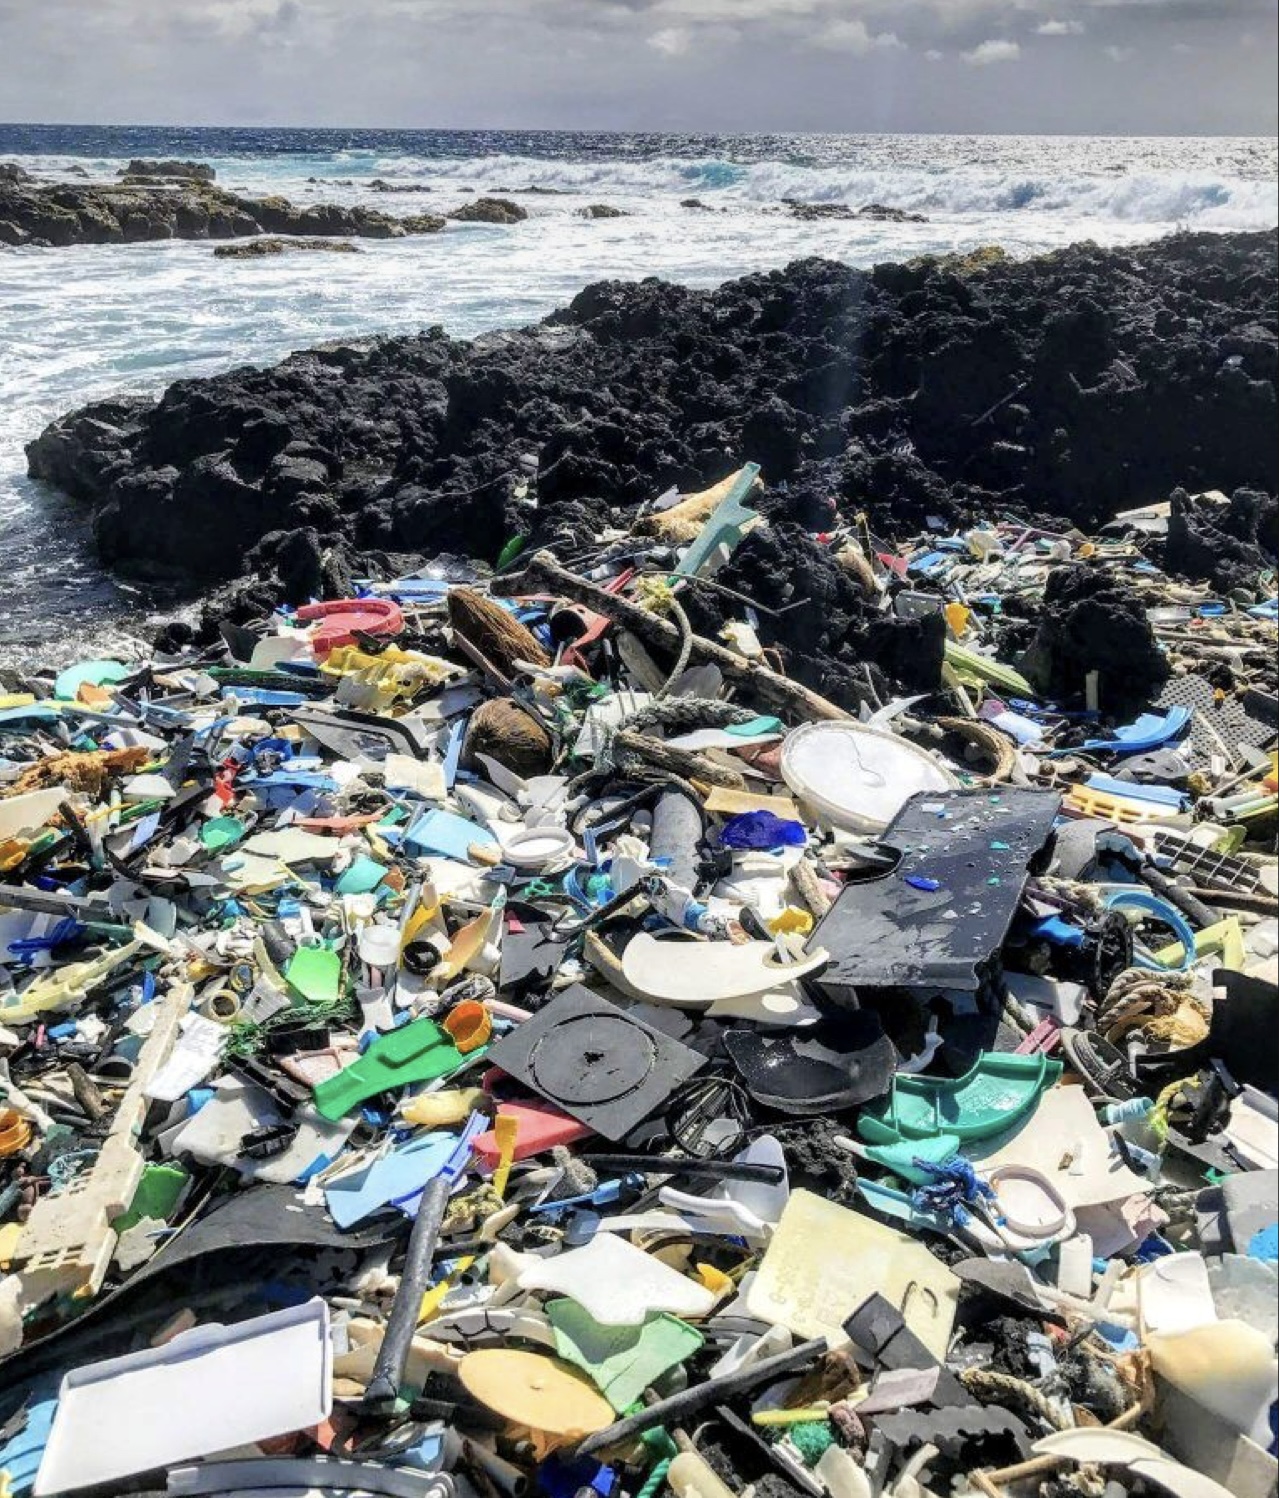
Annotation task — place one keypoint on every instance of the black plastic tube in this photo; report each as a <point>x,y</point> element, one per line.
<point>388,1369</point>
<point>675,1165</point>
<point>711,1391</point>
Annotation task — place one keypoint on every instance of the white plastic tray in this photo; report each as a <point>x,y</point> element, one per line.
<point>207,1391</point>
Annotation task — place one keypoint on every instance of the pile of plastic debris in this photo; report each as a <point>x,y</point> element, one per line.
<point>489,1036</point>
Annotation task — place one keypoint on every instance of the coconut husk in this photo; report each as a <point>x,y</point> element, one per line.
<point>499,637</point>
<point>852,560</point>
<point>509,735</point>
<point>683,522</point>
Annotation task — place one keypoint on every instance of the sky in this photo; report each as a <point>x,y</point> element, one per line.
<point>985,66</point>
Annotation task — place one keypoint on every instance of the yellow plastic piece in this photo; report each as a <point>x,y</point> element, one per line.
<point>1225,937</point>
<point>1091,803</point>
<point>15,1132</point>
<point>16,699</point>
<point>714,1280</point>
<point>824,1260</point>
<point>434,1297</point>
<point>553,1402</point>
<point>506,1130</point>
<point>957,617</point>
<point>791,919</point>
<point>62,987</point>
<point>437,1110</point>
<point>391,676</point>
<point>468,945</point>
<point>9,1235</point>
<point>791,1417</point>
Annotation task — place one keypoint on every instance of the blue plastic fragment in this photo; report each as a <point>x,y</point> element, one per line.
<point>1061,933</point>
<point>761,829</point>
<point>1149,731</point>
<point>1264,1244</point>
<point>1167,915</point>
<point>1159,795</point>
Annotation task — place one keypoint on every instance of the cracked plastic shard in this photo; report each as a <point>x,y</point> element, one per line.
<point>66,1246</point>
<point>825,1259</point>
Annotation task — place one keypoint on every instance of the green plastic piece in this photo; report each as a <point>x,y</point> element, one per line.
<point>315,974</point>
<point>900,1157</point>
<point>987,670</point>
<point>725,525</point>
<point>220,833</point>
<point>417,1052</point>
<point>622,1361</point>
<point>157,1196</point>
<point>755,726</point>
<point>999,1092</point>
<point>361,878</point>
<point>510,551</point>
<point>811,1439</point>
<point>94,673</point>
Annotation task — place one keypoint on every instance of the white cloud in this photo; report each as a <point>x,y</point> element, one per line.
<point>1120,54</point>
<point>933,55</point>
<point>987,53</point>
<point>674,41</point>
<point>855,37</point>
<point>1061,28</point>
<point>1184,49</point>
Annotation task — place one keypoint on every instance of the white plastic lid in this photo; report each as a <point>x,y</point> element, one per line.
<point>537,847</point>
<point>379,945</point>
<point>855,777</point>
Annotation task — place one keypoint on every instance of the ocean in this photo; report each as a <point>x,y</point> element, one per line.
<point>80,323</point>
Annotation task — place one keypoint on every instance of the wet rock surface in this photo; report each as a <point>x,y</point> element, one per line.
<point>875,212</point>
<point>490,211</point>
<point>1064,388</point>
<point>182,171</point>
<point>136,210</point>
<point>257,249</point>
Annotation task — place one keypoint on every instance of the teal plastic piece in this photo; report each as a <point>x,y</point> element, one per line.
<point>95,673</point>
<point>220,833</point>
<point>361,878</point>
<point>999,1092</point>
<point>418,1052</point>
<point>725,525</point>
<point>900,1157</point>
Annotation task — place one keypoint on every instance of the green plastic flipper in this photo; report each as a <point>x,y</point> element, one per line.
<point>418,1052</point>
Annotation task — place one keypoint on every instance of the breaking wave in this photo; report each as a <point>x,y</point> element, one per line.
<point>1200,199</point>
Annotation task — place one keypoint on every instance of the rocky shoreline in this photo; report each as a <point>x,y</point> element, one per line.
<point>166,205</point>
<point>933,393</point>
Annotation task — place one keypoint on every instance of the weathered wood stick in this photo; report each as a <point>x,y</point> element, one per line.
<point>783,696</point>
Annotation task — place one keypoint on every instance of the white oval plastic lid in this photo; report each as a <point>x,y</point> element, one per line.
<point>536,847</point>
<point>857,777</point>
<point>1028,1202</point>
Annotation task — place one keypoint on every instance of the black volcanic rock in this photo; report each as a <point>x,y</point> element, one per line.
<point>125,213</point>
<point>1072,386</point>
<point>490,211</point>
<point>257,249</point>
<point>178,171</point>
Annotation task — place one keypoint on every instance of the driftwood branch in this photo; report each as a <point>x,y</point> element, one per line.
<point>778,694</point>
